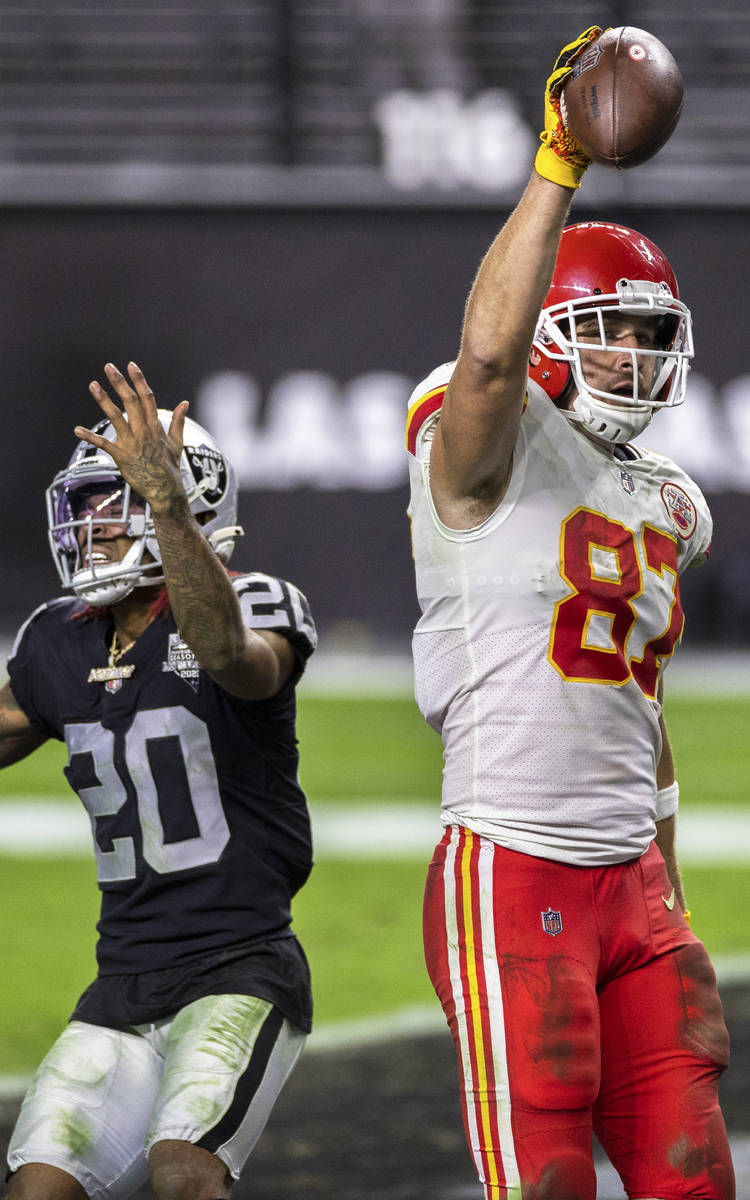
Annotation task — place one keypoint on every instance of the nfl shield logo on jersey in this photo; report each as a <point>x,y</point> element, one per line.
<point>552,921</point>
<point>627,481</point>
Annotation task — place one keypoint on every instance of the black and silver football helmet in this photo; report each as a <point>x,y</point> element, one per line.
<point>90,492</point>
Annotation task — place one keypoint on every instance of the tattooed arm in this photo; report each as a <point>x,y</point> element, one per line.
<point>250,664</point>
<point>18,737</point>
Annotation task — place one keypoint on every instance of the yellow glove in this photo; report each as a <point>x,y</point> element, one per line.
<point>560,157</point>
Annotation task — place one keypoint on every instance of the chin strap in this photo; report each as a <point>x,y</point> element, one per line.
<point>222,540</point>
<point>608,423</point>
<point>228,531</point>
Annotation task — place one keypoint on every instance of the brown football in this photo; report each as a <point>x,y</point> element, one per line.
<point>623,99</point>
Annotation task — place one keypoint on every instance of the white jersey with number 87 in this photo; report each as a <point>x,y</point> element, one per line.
<point>544,633</point>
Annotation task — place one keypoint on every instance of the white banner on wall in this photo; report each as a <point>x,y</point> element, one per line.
<point>313,430</point>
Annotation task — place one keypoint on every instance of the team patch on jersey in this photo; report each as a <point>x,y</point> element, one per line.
<point>182,661</point>
<point>680,509</point>
<point>552,921</point>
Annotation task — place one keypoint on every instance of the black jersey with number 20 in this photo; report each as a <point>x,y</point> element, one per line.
<point>201,830</point>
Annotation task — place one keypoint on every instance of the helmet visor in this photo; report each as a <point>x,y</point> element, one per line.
<point>80,510</point>
<point>105,502</point>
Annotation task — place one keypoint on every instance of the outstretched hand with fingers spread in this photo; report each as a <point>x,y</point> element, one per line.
<point>147,457</point>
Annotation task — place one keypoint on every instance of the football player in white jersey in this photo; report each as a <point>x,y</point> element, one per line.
<point>548,551</point>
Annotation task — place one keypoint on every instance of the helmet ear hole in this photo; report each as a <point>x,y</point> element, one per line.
<point>552,376</point>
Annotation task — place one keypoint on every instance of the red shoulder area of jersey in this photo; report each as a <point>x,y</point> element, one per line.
<point>424,407</point>
<point>420,410</point>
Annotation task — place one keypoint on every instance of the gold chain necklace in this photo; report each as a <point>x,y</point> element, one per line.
<point>112,676</point>
<point>116,654</point>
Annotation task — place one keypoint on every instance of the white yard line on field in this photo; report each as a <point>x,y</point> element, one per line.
<point>32,825</point>
<point>387,671</point>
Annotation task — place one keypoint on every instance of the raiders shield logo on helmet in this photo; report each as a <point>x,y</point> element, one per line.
<point>209,471</point>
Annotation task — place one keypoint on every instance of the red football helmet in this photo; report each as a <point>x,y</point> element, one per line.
<point>603,268</point>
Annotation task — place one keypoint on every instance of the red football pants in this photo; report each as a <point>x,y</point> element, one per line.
<point>579,1001</point>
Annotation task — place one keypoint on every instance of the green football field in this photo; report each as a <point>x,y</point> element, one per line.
<point>358,917</point>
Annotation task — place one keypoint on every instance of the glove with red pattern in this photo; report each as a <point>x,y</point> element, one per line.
<point>560,157</point>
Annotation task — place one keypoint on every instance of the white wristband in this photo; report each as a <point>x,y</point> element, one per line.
<point>667,800</point>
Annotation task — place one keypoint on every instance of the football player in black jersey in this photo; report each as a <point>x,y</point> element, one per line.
<point>173,685</point>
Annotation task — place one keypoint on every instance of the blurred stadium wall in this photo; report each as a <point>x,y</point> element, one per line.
<point>277,209</point>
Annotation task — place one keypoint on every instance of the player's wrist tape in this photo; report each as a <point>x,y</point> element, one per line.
<point>667,801</point>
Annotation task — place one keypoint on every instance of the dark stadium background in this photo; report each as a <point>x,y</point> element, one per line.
<point>289,197</point>
<point>192,294</point>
